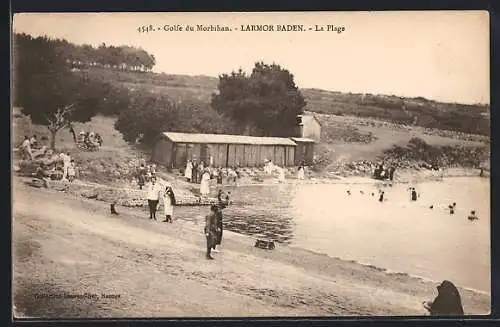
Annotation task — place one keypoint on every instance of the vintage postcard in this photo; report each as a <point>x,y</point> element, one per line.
<point>278,164</point>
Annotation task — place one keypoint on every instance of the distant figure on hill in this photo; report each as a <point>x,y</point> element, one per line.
<point>71,171</point>
<point>25,148</point>
<point>141,176</point>
<point>472,216</point>
<point>392,169</point>
<point>481,173</point>
<point>447,303</point>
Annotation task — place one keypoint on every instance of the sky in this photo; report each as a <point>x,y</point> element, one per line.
<point>439,55</point>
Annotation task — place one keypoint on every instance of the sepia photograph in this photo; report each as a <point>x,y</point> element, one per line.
<point>258,164</point>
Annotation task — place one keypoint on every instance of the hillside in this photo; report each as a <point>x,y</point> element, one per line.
<point>472,119</point>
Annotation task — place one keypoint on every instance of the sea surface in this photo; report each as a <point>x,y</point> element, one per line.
<point>398,235</point>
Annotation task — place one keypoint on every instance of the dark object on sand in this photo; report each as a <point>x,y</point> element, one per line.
<point>381,198</point>
<point>431,207</point>
<point>113,209</point>
<point>447,303</point>
<point>265,244</point>
<point>348,192</point>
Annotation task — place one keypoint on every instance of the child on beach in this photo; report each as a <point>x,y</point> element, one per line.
<point>71,172</point>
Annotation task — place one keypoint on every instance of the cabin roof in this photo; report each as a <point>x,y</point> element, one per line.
<point>226,139</point>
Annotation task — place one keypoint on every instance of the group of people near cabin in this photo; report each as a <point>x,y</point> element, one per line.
<point>199,173</point>
<point>89,140</point>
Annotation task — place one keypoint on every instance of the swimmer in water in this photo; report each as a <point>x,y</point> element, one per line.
<point>472,216</point>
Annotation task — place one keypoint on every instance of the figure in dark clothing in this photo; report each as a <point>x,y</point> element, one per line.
<point>141,176</point>
<point>194,179</point>
<point>381,197</point>
<point>210,230</point>
<point>447,302</point>
<point>391,173</point>
<point>413,194</point>
<point>113,209</point>
<point>222,203</point>
<point>219,176</point>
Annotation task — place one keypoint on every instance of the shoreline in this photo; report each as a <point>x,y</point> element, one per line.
<point>345,281</point>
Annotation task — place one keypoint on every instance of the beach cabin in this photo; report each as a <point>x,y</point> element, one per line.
<point>174,149</point>
<point>304,151</point>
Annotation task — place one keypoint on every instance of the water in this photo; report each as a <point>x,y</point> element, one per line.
<point>398,235</point>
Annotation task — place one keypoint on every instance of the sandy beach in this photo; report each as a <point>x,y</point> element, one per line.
<point>72,259</point>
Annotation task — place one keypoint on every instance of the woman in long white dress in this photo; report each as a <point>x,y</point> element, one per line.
<point>168,203</point>
<point>204,185</point>
<point>300,173</point>
<point>281,176</point>
<point>189,171</point>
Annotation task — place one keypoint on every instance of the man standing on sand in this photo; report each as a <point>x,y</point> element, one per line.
<point>153,196</point>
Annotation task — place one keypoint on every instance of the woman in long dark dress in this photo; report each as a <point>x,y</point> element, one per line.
<point>210,230</point>
<point>447,303</point>
<point>222,203</point>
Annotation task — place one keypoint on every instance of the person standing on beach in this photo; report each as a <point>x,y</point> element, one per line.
<point>168,203</point>
<point>381,197</point>
<point>205,183</point>
<point>153,195</point>
<point>188,173</point>
<point>300,173</point>
<point>447,303</point>
<point>222,203</point>
<point>413,194</point>
<point>195,171</point>
<point>210,230</point>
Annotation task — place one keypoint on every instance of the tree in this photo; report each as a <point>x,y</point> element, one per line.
<point>264,103</point>
<point>150,114</point>
<point>46,90</point>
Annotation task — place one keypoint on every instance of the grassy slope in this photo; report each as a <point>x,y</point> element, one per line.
<point>180,87</point>
<point>339,132</point>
